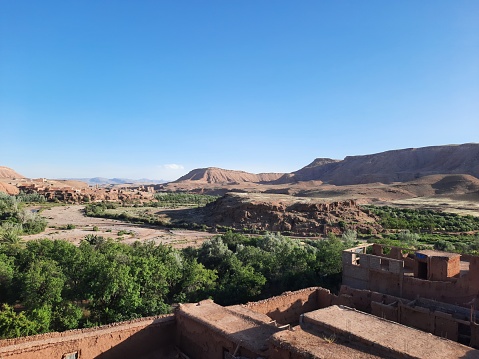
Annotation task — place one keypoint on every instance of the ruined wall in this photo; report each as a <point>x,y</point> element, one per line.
<point>287,307</point>
<point>395,309</point>
<point>437,323</point>
<point>145,338</point>
<point>373,272</point>
<point>385,273</point>
<point>385,311</point>
<point>446,326</point>
<point>355,275</point>
<point>417,317</point>
<point>363,299</point>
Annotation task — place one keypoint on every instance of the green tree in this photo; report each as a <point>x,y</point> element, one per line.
<point>13,325</point>
<point>42,284</point>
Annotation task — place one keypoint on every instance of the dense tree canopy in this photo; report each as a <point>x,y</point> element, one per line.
<point>54,285</point>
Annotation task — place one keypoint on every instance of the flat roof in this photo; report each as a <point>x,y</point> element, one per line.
<point>385,335</point>
<point>315,346</point>
<point>433,253</point>
<point>252,332</point>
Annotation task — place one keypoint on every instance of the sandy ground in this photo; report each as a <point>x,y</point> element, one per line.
<point>73,214</point>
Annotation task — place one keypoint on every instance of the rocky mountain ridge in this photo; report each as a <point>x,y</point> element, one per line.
<point>385,167</point>
<point>395,165</point>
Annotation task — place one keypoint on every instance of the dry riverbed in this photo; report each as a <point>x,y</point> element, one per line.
<point>60,216</point>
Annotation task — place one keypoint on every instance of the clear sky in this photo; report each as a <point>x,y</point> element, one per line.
<point>156,88</point>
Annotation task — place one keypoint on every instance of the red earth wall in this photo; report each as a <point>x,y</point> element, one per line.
<point>145,338</point>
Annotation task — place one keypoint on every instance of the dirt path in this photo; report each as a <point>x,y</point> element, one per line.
<point>62,216</point>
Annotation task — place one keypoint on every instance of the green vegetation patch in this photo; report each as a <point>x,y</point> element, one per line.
<point>54,285</point>
<point>424,220</point>
<point>173,199</point>
<point>16,220</point>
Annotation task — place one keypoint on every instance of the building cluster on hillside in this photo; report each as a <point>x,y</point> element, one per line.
<point>394,303</point>
<point>70,194</point>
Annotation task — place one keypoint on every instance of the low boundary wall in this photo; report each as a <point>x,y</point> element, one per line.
<point>144,338</point>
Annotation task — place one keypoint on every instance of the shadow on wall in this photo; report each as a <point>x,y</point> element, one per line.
<point>290,315</point>
<point>151,342</point>
<point>470,355</point>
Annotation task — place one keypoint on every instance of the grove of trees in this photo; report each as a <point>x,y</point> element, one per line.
<point>16,220</point>
<point>54,285</point>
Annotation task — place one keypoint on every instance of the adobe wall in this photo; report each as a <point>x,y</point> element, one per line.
<point>446,326</point>
<point>457,291</point>
<point>441,268</point>
<point>354,275</point>
<point>287,307</point>
<point>474,335</point>
<point>395,309</point>
<point>417,317</point>
<point>473,275</point>
<point>374,272</point>
<point>437,323</point>
<point>385,311</point>
<point>395,253</point>
<point>386,282</point>
<point>448,292</point>
<point>385,273</point>
<point>200,341</point>
<point>363,299</point>
<point>145,338</point>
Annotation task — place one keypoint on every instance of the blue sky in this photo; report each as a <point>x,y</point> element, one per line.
<point>157,88</point>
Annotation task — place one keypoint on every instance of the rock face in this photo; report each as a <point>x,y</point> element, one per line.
<point>393,166</point>
<point>6,172</point>
<point>219,175</point>
<point>301,216</point>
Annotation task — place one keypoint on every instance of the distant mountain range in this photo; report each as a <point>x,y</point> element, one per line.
<point>112,181</point>
<point>385,167</point>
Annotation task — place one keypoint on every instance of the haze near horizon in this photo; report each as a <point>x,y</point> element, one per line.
<point>155,89</point>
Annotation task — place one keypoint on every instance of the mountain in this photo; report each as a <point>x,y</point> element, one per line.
<point>6,172</point>
<point>392,166</point>
<point>108,181</point>
<point>219,175</point>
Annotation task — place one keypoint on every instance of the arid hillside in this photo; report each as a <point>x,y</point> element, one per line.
<point>8,188</point>
<point>386,167</point>
<point>219,175</point>
<point>392,166</point>
<point>6,172</point>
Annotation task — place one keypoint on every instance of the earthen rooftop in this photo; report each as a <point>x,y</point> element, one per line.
<point>433,253</point>
<point>251,332</point>
<point>384,334</point>
<point>312,346</point>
